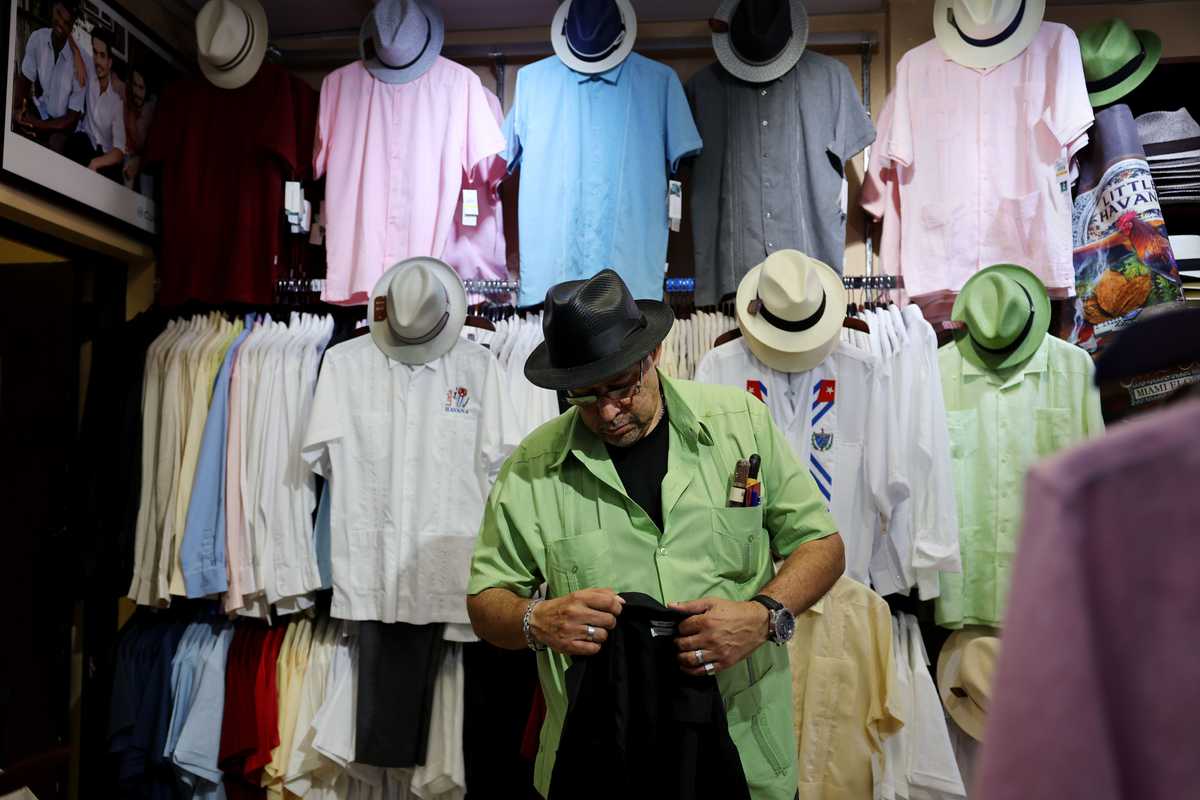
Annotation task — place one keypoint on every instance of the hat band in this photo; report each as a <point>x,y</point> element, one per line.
<point>603,54</point>
<point>791,326</point>
<point>244,52</point>
<point>1015,343</point>
<point>1109,81</point>
<point>994,40</point>
<point>429,337</point>
<point>424,47</point>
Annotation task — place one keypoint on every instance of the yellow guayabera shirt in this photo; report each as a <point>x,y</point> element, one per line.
<point>558,513</point>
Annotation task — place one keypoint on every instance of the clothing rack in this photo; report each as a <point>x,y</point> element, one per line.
<point>879,282</point>
<point>491,287</point>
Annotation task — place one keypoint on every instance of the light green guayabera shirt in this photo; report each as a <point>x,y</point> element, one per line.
<point>1000,425</point>
<point>558,513</point>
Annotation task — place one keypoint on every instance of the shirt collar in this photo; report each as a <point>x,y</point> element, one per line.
<point>679,416</point>
<point>435,365</point>
<point>1036,364</point>
<point>611,76</point>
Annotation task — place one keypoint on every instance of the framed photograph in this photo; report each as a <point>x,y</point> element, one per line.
<point>83,81</point>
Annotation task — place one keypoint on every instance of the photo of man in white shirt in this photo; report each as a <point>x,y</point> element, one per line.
<point>99,142</point>
<point>49,88</point>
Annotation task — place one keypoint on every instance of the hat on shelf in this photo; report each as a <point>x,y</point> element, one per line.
<point>1116,59</point>
<point>966,670</point>
<point>231,41</point>
<point>759,40</point>
<point>594,330</point>
<point>593,36</point>
<point>986,33</point>
<point>1006,310</point>
<point>790,310</point>
<point>400,39</point>
<point>1169,135</point>
<point>417,310</point>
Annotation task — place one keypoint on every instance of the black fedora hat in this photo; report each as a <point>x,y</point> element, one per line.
<point>594,330</point>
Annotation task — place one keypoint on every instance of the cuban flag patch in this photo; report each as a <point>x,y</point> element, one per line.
<point>758,389</point>
<point>823,424</point>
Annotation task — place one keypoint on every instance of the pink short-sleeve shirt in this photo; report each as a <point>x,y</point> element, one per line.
<point>981,161</point>
<point>394,156</point>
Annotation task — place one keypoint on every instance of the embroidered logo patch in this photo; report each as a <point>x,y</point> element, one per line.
<point>822,440</point>
<point>758,389</point>
<point>457,400</point>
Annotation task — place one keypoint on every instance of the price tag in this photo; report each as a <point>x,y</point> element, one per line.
<point>675,204</point>
<point>470,207</point>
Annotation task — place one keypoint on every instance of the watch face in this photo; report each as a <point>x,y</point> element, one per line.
<point>785,625</point>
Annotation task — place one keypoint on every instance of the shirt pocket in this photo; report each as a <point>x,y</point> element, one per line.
<point>1018,222</point>
<point>1052,430</point>
<point>739,542</point>
<point>583,561</point>
<point>963,427</point>
<point>759,718</point>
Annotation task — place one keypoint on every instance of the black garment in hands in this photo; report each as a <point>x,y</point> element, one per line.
<point>637,726</point>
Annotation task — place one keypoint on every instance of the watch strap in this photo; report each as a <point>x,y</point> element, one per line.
<point>770,603</point>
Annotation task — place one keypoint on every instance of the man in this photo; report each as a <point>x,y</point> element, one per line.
<point>99,142</point>
<point>628,491</point>
<point>138,114</point>
<point>49,89</point>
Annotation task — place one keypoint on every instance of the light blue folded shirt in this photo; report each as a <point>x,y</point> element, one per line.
<point>595,153</point>
<point>198,745</point>
<point>203,550</point>
<point>184,667</point>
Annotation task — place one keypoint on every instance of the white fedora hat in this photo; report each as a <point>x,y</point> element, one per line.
<point>966,671</point>
<point>759,41</point>
<point>593,36</point>
<point>986,33</point>
<point>405,38</point>
<point>790,309</point>
<point>231,41</point>
<point>417,310</point>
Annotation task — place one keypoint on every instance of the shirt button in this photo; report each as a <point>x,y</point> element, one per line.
<point>768,215</point>
<point>662,551</point>
<point>764,123</point>
<point>575,568</point>
<point>764,92</point>
<point>750,538</point>
<point>770,244</point>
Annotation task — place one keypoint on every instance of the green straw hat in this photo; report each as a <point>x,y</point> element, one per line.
<point>1116,59</point>
<point>1007,313</point>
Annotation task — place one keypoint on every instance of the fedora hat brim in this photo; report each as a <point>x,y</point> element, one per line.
<point>638,345</point>
<point>774,69</point>
<point>563,50</point>
<point>245,71</point>
<point>973,352</point>
<point>789,351</point>
<point>385,338</point>
<point>437,38</point>
<point>1153,47</point>
<point>960,51</point>
<point>965,713</point>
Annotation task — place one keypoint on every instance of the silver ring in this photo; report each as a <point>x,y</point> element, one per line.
<point>699,654</point>
<point>709,669</point>
<point>591,633</point>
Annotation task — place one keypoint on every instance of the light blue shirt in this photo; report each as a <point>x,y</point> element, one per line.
<point>61,91</point>
<point>203,550</point>
<point>323,535</point>
<point>595,153</point>
<point>184,668</point>
<point>199,741</point>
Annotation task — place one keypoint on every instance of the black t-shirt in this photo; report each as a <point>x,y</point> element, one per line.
<point>642,466</point>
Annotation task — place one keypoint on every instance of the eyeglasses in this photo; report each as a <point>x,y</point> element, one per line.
<point>617,395</point>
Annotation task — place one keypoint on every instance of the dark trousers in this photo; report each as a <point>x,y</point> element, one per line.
<point>79,149</point>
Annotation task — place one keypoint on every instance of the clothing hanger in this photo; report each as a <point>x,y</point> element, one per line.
<point>476,321</point>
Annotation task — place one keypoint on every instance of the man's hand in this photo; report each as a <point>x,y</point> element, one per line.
<point>725,631</point>
<point>95,165</point>
<point>561,624</point>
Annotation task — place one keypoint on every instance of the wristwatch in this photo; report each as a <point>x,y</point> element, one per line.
<point>781,623</point>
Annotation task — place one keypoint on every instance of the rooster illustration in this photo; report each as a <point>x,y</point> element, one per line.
<point>1152,247</point>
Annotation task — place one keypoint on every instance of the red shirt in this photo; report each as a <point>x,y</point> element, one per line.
<point>225,155</point>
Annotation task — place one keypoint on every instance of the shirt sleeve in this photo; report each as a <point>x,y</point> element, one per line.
<point>899,142</point>
<point>29,60</point>
<point>682,137</point>
<point>1067,112</point>
<point>513,129</point>
<point>77,99</point>
<point>509,551</point>
<point>118,127</point>
<point>853,130</point>
<point>484,137</point>
<point>793,510</point>
<point>323,426</point>
<point>326,108</point>
<point>880,174</point>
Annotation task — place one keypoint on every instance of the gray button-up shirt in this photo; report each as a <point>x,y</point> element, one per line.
<point>770,176</point>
